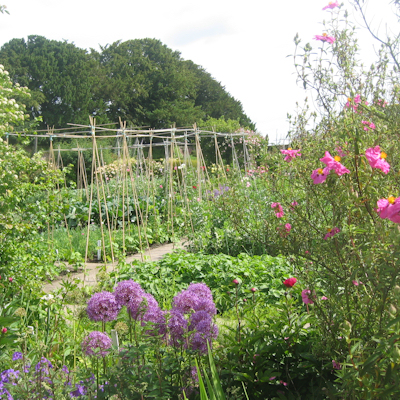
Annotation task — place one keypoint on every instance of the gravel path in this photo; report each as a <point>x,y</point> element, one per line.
<point>153,254</point>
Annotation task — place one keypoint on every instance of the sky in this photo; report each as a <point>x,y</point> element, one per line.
<point>243,44</point>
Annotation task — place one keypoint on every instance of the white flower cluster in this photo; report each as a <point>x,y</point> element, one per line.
<point>11,113</point>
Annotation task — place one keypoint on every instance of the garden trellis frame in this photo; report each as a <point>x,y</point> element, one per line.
<point>178,144</point>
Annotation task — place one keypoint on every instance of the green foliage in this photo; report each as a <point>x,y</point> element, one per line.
<point>140,81</point>
<point>64,80</point>
<point>176,270</point>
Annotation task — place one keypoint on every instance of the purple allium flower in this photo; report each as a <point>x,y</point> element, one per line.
<point>204,330</point>
<point>96,344</point>
<point>201,290</point>
<point>197,297</point>
<point>17,356</point>
<point>128,291</point>
<point>103,307</point>
<point>177,325</point>
<point>185,301</point>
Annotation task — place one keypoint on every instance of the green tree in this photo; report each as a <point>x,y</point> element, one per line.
<point>64,80</point>
<point>148,84</point>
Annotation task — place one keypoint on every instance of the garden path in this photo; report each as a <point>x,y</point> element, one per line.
<point>154,253</point>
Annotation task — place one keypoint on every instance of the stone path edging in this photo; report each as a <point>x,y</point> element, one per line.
<point>152,254</point>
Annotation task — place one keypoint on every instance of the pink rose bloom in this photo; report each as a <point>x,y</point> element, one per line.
<point>334,163</point>
<point>377,159</point>
<point>290,154</point>
<point>304,295</point>
<point>331,5</point>
<point>278,210</point>
<point>331,232</point>
<point>319,175</point>
<point>325,38</point>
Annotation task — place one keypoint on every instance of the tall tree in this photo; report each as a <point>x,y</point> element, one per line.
<point>149,84</point>
<point>63,79</point>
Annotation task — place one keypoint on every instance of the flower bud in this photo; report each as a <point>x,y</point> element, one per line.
<point>4,330</point>
<point>236,282</point>
<point>253,289</point>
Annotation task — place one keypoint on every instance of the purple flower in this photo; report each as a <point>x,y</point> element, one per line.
<point>103,307</point>
<point>96,344</point>
<point>17,356</point>
<point>128,291</point>
<point>201,290</point>
<point>185,301</point>
<point>177,325</point>
<point>79,391</point>
<point>44,365</point>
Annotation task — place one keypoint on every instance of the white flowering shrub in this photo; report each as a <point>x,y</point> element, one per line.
<point>12,112</point>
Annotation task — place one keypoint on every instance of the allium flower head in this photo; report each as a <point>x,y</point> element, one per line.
<point>290,154</point>
<point>319,175</point>
<point>325,38</point>
<point>377,159</point>
<point>103,307</point>
<point>331,5</point>
<point>96,344</point>
<point>177,325</point>
<point>201,290</point>
<point>127,291</point>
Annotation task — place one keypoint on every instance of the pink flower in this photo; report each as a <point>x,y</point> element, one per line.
<point>377,159</point>
<point>161,186</point>
<point>290,154</point>
<point>340,151</point>
<point>370,125</point>
<point>331,5</point>
<point>324,298</point>
<point>253,289</point>
<point>278,210</point>
<point>272,378</point>
<point>356,283</point>
<point>389,208</point>
<point>235,281</point>
<point>325,38</point>
<point>334,163</point>
<point>357,101</point>
<point>283,383</point>
<point>294,204</point>
<point>304,295</point>
<point>336,365</point>
<point>248,184</point>
<point>331,232</point>
<point>290,282</point>
<point>319,175</point>
<point>288,228</point>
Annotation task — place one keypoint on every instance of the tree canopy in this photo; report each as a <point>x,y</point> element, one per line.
<point>142,81</point>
